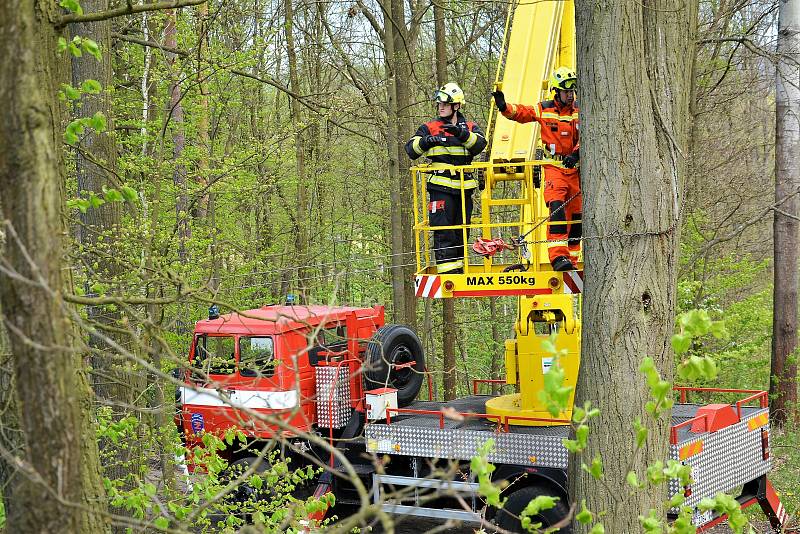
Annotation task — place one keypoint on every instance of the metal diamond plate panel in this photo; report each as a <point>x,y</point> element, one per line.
<point>729,458</point>
<point>333,398</point>
<point>720,461</point>
<point>543,449</point>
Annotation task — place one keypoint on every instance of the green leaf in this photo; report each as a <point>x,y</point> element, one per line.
<point>129,193</point>
<point>161,522</point>
<point>655,473</point>
<point>62,45</point>
<point>112,195</point>
<point>72,5</point>
<point>598,528</point>
<point>540,503</point>
<point>582,435</point>
<point>584,516</point>
<point>681,343</point>
<point>91,86</point>
<point>632,480</point>
<point>74,50</point>
<point>73,131</point>
<point>651,524</point>
<point>596,469</point>
<point>641,433</point>
<point>92,48</point>
<point>70,92</point>
<point>571,445</point>
<point>256,481</point>
<point>676,500</point>
<point>98,122</point>
<point>149,489</point>
<point>95,201</point>
<point>719,331</point>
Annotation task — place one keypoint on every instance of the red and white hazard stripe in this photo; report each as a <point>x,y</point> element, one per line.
<point>429,286</point>
<point>573,282</point>
<point>775,505</point>
<point>783,517</point>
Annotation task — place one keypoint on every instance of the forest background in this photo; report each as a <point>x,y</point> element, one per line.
<point>237,151</point>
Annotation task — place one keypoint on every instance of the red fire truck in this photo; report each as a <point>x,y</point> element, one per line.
<point>341,374</point>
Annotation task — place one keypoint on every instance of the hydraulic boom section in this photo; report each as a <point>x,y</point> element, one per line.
<point>542,38</point>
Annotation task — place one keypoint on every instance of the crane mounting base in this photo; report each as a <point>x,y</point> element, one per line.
<point>508,408</point>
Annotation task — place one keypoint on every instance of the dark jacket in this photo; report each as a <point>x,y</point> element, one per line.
<point>452,152</point>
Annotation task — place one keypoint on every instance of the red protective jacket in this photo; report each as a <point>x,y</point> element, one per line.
<point>559,125</point>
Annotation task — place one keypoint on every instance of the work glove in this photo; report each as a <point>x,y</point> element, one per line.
<point>500,100</point>
<point>571,160</point>
<point>460,131</point>
<point>430,141</point>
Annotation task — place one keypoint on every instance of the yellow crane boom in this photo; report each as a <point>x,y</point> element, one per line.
<point>541,38</point>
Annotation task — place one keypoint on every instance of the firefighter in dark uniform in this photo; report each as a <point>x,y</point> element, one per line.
<point>559,123</point>
<point>453,140</point>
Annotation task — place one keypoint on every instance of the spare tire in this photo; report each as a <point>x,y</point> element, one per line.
<point>391,345</point>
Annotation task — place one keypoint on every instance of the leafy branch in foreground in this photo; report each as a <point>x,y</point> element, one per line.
<point>690,327</point>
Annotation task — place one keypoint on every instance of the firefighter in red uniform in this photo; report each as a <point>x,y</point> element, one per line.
<point>558,119</point>
<point>453,140</point>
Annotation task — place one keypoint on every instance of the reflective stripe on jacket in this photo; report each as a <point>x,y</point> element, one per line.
<point>456,153</point>
<point>559,124</point>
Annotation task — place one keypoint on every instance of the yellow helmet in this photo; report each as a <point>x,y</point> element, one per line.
<point>563,78</point>
<point>449,93</point>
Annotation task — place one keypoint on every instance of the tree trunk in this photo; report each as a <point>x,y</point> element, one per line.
<point>302,214</point>
<point>10,438</point>
<point>203,138</point>
<point>497,341</point>
<point>634,63</point>
<point>448,349</point>
<point>393,139</point>
<point>786,228</point>
<point>100,223</point>
<point>175,112</point>
<point>398,43</point>
<point>440,38</point>
<point>448,305</point>
<point>111,380</point>
<point>52,491</point>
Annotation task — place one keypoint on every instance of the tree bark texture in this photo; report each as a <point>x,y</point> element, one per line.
<point>634,66</point>
<point>203,137</point>
<point>175,113</point>
<point>10,435</point>
<point>786,228</point>
<point>398,41</point>
<point>303,212</point>
<point>51,492</point>
<point>98,226</point>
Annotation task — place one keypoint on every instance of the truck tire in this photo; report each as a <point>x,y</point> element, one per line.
<point>395,344</point>
<point>508,519</point>
<point>245,491</point>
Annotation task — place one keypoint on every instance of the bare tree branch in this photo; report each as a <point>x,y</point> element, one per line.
<point>269,81</point>
<point>127,9</point>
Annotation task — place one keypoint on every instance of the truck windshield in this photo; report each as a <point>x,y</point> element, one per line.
<point>215,355</point>
<point>256,356</point>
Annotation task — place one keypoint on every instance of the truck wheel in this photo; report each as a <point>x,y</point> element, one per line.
<point>391,345</point>
<point>245,491</point>
<point>507,518</point>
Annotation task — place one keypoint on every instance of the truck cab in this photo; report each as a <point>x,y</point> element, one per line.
<point>282,371</point>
